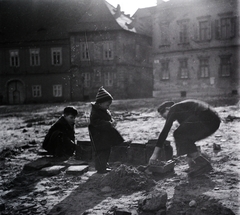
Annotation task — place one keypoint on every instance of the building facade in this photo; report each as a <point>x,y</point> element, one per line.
<point>196,49</point>
<point>53,52</point>
<point>111,54</point>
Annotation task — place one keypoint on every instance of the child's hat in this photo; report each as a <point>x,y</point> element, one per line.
<point>103,95</point>
<point>70,110</point>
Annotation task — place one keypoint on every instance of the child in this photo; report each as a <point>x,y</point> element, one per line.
<point>102,130</point>
<point>60,139</point>
<point>197,120</point>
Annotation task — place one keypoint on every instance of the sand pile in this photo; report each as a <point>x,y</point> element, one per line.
<point>127,178</point>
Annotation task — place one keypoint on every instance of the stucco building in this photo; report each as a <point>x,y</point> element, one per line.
<point>58,50</point>
<point>196,49</point>
<point>107,49</point>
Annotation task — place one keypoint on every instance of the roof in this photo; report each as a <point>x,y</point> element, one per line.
<point>39,20</point>
<point>34,20</point>
<point>142,20</point>
<point>102,16</point>
<point>143,12</point>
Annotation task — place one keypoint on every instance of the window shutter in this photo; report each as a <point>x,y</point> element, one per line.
<point>233,27</point>
<point>217,30</point>
<point>210,30</point>
<point>91,50</point>
<point>196,32</point>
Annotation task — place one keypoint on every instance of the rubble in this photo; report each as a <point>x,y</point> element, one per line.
<point>127,178</point>
<point>24,191</point>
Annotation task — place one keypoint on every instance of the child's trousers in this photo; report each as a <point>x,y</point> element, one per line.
<point>101,159</point>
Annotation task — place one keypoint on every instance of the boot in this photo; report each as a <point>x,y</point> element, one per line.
<point>201,166</point>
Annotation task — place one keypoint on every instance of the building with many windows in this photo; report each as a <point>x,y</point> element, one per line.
<point>107,50</point>
<point>53,51</point>
<point>196,49</point>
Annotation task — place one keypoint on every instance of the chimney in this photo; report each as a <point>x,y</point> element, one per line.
<point>118,12</point>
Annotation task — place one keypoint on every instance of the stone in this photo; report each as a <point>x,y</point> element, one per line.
<point>164,168</point>
<point>165,155</point>
<point>52,170</point>
<point>119,154</point>
<point>74,162</point>
<point>106,189</point>
<point>84,151</point>
<point>155,201</point>
<point>122,212</point>
<point>38,164</point>
<point>137,154</point>
<point>77,170</point>
<point>192,203</point>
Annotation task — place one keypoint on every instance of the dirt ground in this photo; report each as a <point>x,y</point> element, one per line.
<point>22,129</point>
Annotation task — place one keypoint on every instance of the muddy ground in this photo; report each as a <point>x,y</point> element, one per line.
<point>22,129</point>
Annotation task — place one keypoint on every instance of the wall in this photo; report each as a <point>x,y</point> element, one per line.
<point>195,87</point>
<point>45,75</point>
<point>131,65</point>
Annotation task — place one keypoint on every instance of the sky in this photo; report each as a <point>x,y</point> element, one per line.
<point>131,6</point>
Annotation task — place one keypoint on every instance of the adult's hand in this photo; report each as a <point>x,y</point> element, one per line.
<point>155,155</point>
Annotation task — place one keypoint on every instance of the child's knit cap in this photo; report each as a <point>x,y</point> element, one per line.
<point>103,95</point>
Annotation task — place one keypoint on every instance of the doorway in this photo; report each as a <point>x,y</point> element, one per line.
<point>15,91</point>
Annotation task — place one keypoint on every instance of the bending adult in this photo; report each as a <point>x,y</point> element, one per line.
<point>197,120</point>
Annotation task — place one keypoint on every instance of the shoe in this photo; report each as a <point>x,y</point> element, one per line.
<point>201,166</point>
<point>104,171</point>
<point>108,166</point>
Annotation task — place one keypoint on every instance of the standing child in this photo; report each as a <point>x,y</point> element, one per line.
<point>60,139</point>
<point>102,130</point>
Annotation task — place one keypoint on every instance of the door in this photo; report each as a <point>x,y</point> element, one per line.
<point>15,90</point>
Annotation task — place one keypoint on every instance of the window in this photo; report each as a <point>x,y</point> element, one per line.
<point>204,67</point>
<point>204,30</point>
<point>34,57</point>
<point>36,91</point>
<point>86,79</point>
<point>84,52</point>
<point>164,34</point>
<point>164,70</point>
<point>14,58</point>
<point>57,90</point>
<point>97,75</point>
<point>225,66</point>
<point>108,79</point>
<point>183,69</point>
<point>56,56</point>
<point>225,28</point>
<point>108,50</point>
<point>183,93</point>
<point>183,33</point>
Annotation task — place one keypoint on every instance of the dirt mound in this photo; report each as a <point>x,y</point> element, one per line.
<point>127,178</point>
<point>210,206</point>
